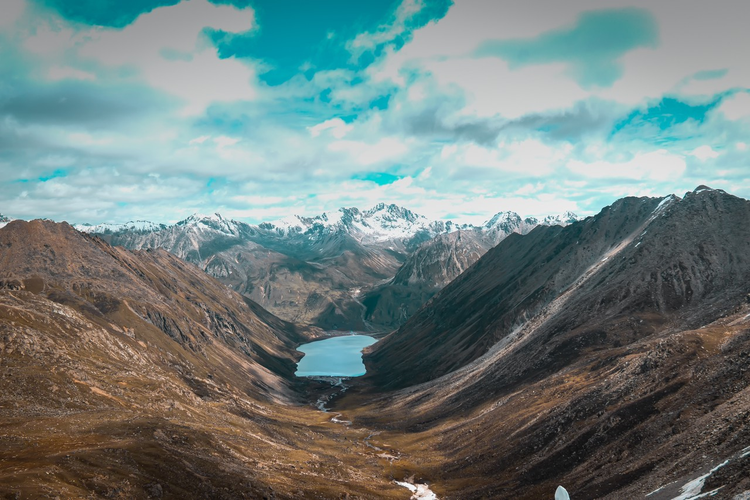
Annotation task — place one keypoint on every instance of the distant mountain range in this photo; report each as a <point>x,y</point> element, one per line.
<point>335,270</point>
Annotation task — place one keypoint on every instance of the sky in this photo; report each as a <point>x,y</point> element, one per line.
<point>113,111</point>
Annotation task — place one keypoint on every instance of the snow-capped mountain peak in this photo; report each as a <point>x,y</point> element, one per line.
<point>379,223</point>
<point>562,219</point>
<point>503,218</point>
<point>215,222</point>
<point>135,226</point>
<point>391,213</point>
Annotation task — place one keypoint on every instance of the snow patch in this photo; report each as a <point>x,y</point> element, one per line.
<point>657,490</point>
<point>692,489</point>
<point>664,203</point>
<point>419,491</point>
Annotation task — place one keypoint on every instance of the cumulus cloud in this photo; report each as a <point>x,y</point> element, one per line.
<point>337,127</point>
<point>704,153</point>
<point>168,48</point>
<point>659,165</point>
<point>453,110</point>
<point>530,157</point>
<point>365,154</point>
<point>736,107</point>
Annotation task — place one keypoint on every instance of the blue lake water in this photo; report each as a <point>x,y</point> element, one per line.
<point>334,357</point>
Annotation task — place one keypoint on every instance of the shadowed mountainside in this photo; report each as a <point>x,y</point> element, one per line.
<point>426,271</point>
<point>611,356</point>
<point>499,293</point>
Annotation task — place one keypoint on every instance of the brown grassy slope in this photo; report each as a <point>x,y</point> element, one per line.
<point>614,423</point>
<point>135,375</point>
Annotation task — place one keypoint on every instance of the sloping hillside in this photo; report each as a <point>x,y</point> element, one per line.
<point>135,375</point>
<point>610,356</point>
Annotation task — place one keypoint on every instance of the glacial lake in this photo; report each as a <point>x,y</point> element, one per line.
<point>334,357</point>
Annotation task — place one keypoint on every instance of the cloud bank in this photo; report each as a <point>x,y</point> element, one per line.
<point>159,108</point>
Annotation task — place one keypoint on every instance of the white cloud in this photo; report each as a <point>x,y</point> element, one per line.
<point>337,127</point>
<point>425,174</point>
<point>66,72</point>
<point>199,140</point>
<point>736,107</point>
<point>179,60</point>
<point>225,142</point>
<point>445,49</point>
<point>491,88</point>
<point>529,189</point>
<point>657,165</point>
<point>386,33</point>
<point>12,10</point>
<point>741,146</point>
<point>704,153</point>
<point>531,156</point>
<point>255,200</point>
<point>363,153</point>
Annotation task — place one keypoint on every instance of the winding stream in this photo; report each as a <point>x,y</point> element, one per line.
<point>335,361</point>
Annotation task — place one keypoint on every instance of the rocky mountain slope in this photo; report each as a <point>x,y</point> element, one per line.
<point>426,271</point>
<point>609,356</point>
<point>320,270</point>
<point>439,261</point>
<point>309,270</point>
<point>135,375</point>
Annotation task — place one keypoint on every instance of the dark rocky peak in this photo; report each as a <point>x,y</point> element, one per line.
<point>706,193</point>
<point>348,216</point>
<point>703,187</point>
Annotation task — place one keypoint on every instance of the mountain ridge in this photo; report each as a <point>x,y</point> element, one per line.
<point>610,356</point>
<point>315,270</point>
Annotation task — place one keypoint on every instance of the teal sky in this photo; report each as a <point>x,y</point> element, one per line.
<point>257,109</point>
